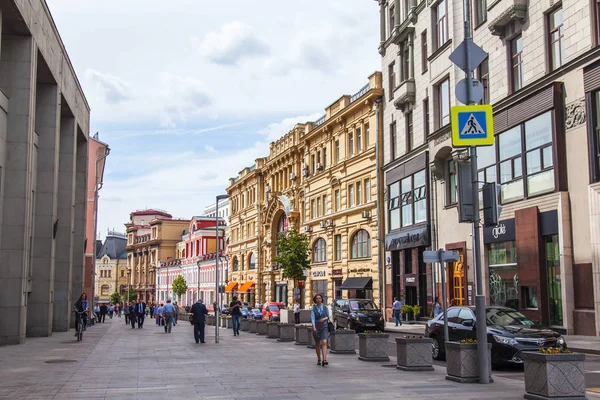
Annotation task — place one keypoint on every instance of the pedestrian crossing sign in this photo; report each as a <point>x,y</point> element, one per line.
<point>472,126</point>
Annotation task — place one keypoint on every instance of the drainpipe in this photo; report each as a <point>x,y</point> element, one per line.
<point>432,221</point>
<point>380,249</point>
<point>257,291</point>
<point>97,188</point>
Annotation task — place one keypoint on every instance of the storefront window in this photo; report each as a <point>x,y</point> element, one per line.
<point>554,280</point>
<point>501,254</point>
<point>531,297</point>
<point>504,287</point>
<point>408,201</point>
<point>320,287</point>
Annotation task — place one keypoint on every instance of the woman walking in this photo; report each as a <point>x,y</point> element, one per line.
<point>437,308</point>
<point>319,316</point>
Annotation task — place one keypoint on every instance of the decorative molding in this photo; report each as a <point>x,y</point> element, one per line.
<point>516,12</point>
<point>575,114</point>
<point>441,139</point>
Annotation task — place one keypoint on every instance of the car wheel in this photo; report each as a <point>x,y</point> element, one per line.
<point>436,350</point>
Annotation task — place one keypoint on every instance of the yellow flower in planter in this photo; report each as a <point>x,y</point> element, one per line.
<point>555,350</point>
<point>469,340</point>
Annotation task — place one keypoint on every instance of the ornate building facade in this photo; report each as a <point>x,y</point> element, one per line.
<point>111,267</point>
<point>319,178</point>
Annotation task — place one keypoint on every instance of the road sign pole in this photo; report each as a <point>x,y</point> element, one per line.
<point>444,296</point>
<point>482,343</point>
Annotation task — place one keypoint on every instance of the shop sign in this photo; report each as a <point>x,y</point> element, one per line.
<point>503,232</point>
<point>408,238</point>
<point>317,274</point>
<point>336,272</point>
<point>410,279</point>
<point>359,270</point>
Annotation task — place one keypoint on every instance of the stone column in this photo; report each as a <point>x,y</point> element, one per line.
<point>382,20</point>
<point>17,80</point>
<point>411,57</point>
<point>64,235</point>
<point>396,13</point>
<point>40,307</point>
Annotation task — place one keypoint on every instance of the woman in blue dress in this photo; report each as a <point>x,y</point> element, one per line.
<point>319,316</point>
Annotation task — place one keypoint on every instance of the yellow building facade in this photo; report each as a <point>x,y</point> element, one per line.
<point>321,179</point>
<point>111,267</point>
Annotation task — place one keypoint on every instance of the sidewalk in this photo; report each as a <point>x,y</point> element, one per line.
<point>117,362</point>
<point>581,344</point>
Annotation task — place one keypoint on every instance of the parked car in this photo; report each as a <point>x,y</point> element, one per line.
<point>357,314</point>
<point>244,311</point>
<point>270,311</point>
<point>224,310</point>
<point>510,333</point>
<point>255,313</point>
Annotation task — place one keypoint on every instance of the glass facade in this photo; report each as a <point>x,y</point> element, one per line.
<point>503,277</point>
<point>554,280</point>
<point>408,201</point>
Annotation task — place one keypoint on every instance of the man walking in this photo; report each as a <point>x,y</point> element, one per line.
<point>236,314</point>
<point>140,310</point>
<point>396,309</point>
<point>199,310</point>
<point>168,311</point>
<point>132,318</point>
<point>152,310</point>
<point>126,312</point>
<point>175,313</point>
<point>103,312</point>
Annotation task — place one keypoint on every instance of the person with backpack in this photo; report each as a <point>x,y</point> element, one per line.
<point>319,316</point>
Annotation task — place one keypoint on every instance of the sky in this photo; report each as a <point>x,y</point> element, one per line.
<point>189,92</point>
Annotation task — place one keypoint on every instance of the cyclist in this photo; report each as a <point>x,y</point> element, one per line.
<point>81,308</point>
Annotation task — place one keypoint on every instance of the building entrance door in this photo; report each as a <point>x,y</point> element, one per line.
<point>458,282</point>
<point>411,295</point>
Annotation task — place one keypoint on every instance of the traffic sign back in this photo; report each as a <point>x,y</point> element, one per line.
<point>472,126</point>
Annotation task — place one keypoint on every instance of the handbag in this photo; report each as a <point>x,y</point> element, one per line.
<point>191,319</point>
<point>330,326</point>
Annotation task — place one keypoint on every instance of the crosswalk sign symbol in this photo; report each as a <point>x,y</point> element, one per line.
<point>472,126</point>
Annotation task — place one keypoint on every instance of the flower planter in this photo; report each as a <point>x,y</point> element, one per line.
<point>462,364</point>
<point>311,338</point>
<point>261,328</point>
<point>252,326</point>
<point>223,322</point>
<point>373,347</point>
<point>414,354</point>
<point>342,342</point>
<point>554,376</point>
<point>208,319</point>
<point>285,332</point>
<point>229,323</point>
<point>245,325</point>
<point>301,335</point>
<point>272,331</point>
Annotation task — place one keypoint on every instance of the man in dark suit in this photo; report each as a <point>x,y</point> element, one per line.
<point>132,314</point>
<point>103,312</point>
<point>199,310</point>
<point>140,313</point>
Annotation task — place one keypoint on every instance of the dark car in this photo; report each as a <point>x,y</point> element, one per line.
<point>244,311</point>
<point>509,332</point>
<point>357,314</point>
<point>255,313</point>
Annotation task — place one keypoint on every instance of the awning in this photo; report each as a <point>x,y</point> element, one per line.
<point>230,286</point>
<point>357,284</point>
<point>246,287</point>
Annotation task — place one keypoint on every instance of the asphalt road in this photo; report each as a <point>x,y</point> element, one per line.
<point>592,366</point>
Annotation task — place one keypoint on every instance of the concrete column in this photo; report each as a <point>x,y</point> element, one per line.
<point>63,262</point>
<point>40,302</point>
<point>397,13</point>
<point>17,80</point>
<point>411,56</point>
<point>79,274</point>
<point>382,20</point>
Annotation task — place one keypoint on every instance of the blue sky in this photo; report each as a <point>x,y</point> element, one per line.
<point>189,92</point>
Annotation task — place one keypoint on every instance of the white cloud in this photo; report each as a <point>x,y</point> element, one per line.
<point>114,89</point>
<point>182,98</point>
<point>235,42</point>
<point>276,130</point>
<point>210,149</point>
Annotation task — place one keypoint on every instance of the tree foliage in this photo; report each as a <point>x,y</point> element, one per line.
<point>115,298</point>
<point>179,286</point>
<point>130,295</point>
<point>292,254</point>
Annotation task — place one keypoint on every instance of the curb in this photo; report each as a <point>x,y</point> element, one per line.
<point>585,351</point>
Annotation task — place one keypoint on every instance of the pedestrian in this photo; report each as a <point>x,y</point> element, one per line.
<point>103,312</point>
<point>111,311</point>
<point>437,307</point>
<point>161,320</point>
<point>175,313</point>
<point>126,312</point>
<point>155,314</point>
<point>132,316</point>
<point>199,312</point>
<point>152,310</point>
<point>168,311</point>
<point>235,309</point>
<point>297,312</point>
<point>397,309</point>
<point>319,316</point>
<point>81,308</point>
<point>140,310</point>
<point>120,310</point>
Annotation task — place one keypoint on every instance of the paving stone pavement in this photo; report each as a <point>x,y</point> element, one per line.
<point>117,362</point>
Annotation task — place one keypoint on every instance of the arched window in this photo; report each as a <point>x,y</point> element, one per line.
<point>361,244</point>
<point>282,226</point>
<point>235,264</point>
<point>319,251</point>
<point>252,261</point>
<point>104,290</point>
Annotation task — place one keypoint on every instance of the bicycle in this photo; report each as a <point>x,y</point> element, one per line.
<point>80,326</point>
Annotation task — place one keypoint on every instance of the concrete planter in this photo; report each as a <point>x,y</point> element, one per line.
<point>554,376</point>
<point>223,322</point>
<point>285,332</point>
<point>245,325</point>
<point>210,320</point>
<point>414,354</point>
<point>229,323</point>
<point>462,364</point>
<point>311,338</point>
<point>252,326</point>
<point>301,335</point>
<point>342,342</point>
<point>373,347</point>
<point>272,330</point>
<point>261,327</point>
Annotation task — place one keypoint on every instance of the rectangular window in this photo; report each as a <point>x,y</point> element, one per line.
<point>359,197</point>
<point>337,200</point>
<point>351,144</point>
<point>313,209</point>
<point>595,137</point>
<point>480,11</point>
<point>483,74</point>
<point>392,79</point>
<point>324,157</point>
<point>405,56</point>
<point>367,139</point>
<point>441,23</point>
<point>338,248</point>
<point>358,140</point>
<point>557,35</point>
<point>452,188</point>
<point>443,92</point>
<point>392,13</point>
<point>426,117</point>
<point>530,297</point>
<point>337,151</point>
<point>394,206</point>
<point>324,205</point>
<point>408,201</point>
<point>312,164</point>
<point>318,157</point>
<point>393,141</point>
<point>410,140</point>
<point>318,206</point>
<point>424,51</point>
<point>408,263</point>
<point>538,157</point>
<point>350,195</point>
<point>367,190</point>
<point>516,59</point>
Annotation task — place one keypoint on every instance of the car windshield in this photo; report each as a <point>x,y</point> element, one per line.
<point>497,316</point>
<point>273,307</point>
<point>255,310</point>
<point>362,305</point>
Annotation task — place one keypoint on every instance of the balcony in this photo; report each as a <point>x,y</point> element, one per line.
<point>407,27</point>
<point>404,94</point>
<point>503,13</point>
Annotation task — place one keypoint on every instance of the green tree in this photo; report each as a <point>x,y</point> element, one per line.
<point>179,286</point>
<point>115,298</point>
<point>292,254</point>
<point>130,295</point>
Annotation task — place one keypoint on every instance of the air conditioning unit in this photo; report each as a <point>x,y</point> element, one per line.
<point>322,224</point>
<point>305,173</point>
<point>319,166</point>
<point>366,214</point>
<point>307,229</point>
<point>329,223</point>
<point>292,176</point>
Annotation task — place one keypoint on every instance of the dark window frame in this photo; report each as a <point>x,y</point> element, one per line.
<point>451,186</point>
<point>483,75</point>
<point>405,199</point>
<point>550,41</point>
<point>359,243</point>
<point>440,112</point>
<point>441,35</point>
<point>424,61</point>
<point>320,251</point>
<point>593,111</point>
<point>426,116</point>
<point>479,12</point>
<point>392,79</point>
<point>410,134</point>
<point>393,140</point>
<point>516,63</point>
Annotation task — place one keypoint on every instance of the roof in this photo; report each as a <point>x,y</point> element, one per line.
<point>98,247</point>
<point>152,212</point>
<point>113,247</point>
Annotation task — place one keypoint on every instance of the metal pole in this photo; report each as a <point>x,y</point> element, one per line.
<point>444,295</point>
<point>97,189</point>
<point>482,342</point>
<point>217,273</point>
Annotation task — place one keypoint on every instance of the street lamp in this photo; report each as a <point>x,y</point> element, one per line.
<point>128,283</point>
<point>220,197</point>
<point>198,280</point>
